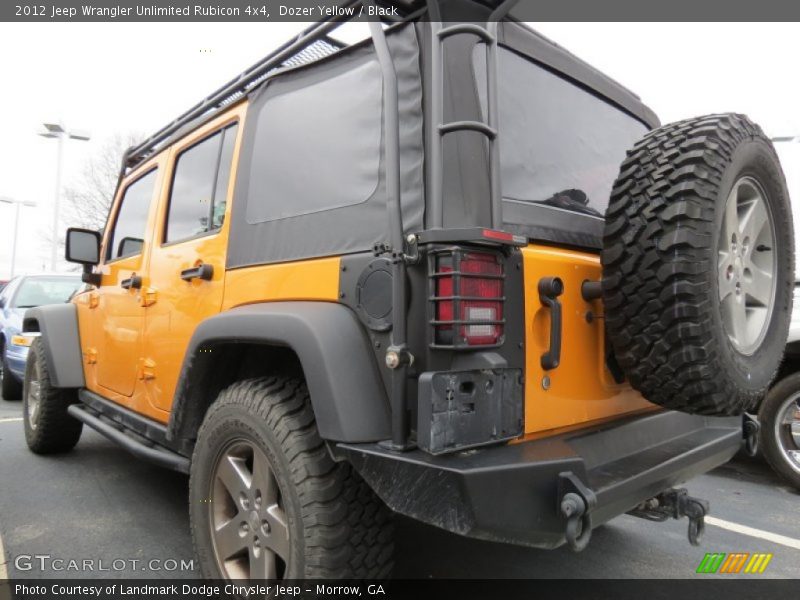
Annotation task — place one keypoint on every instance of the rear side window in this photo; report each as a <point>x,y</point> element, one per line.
<point>200,187</point>
<point>127,236</point>
<point>317,148</point>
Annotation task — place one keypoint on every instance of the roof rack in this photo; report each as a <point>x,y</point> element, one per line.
<point>310,45</point>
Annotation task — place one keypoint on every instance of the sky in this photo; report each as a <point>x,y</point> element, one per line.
<point>109,78</point>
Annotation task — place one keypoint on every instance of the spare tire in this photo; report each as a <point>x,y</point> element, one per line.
<point>698,264</point>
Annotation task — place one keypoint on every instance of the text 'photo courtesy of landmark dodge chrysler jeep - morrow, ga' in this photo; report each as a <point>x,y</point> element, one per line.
<point>450,271</point>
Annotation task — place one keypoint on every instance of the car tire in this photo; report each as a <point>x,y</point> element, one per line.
<point>49,429</point>
<point>267,501</point>
<point>698,265</point>
<point>779,411</point>
<point>10,387</point>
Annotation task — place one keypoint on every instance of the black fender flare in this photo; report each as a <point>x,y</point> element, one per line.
<point>58,325</point>
<point>347,394</point>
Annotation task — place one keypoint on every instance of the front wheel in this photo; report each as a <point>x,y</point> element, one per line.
<point>779,434</point>
<point>267,500</point>
<point>49,428</point>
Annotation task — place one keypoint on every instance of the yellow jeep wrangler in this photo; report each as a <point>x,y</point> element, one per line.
<point>409,275</point>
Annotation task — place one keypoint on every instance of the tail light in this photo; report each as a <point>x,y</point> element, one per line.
<point>467,297</point>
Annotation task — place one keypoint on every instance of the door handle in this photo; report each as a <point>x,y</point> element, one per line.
<point>550,288</point>
<point>201,271</point>
<point>134,282</point>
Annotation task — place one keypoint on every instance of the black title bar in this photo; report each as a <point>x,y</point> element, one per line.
<point>547,589</point>
<point>315,10</point>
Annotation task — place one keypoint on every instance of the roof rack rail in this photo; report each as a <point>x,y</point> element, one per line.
<point>311,44</point>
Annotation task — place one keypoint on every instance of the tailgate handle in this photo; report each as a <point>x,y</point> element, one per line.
<point>201,271</point>
<point>550,288</point>
<point>132,282</point>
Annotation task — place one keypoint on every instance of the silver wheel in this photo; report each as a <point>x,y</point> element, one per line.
<point>250,529</point>
<point>787,431</point>
<point>747,265</point>
<point>34,399</point>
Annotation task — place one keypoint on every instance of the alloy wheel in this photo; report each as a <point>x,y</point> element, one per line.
<point>250,529</point>
<point>34,400</point>
<point>747,265</point>
<point>787,431</point>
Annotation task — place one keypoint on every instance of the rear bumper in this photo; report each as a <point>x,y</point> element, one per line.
<point>510,493</point>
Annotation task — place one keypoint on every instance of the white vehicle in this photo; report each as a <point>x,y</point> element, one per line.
<point>779,413</point>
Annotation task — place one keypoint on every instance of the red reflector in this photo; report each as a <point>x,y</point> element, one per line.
<point>491,234</point>
<point>444,289</point>
<point>478,262</point>
<point>476,289</point>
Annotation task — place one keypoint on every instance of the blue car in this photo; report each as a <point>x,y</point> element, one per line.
<point>20,294</point>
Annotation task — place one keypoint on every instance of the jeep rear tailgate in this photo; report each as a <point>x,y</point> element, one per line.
<point>581,388</point>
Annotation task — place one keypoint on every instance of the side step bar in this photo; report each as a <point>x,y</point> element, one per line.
<point>159,456</point>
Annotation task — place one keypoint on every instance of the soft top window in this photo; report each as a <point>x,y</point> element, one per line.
<point>311,180</point>
<point>560,144</point>
<point>317,147</point>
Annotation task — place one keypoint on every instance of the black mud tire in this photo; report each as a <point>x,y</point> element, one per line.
<point>774,443</point>
<point>338,528</point>
<point>660,263</point>
<point>10,387</point>
<point>49,429</point>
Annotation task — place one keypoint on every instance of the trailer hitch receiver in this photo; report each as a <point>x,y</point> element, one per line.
<point>676,504</point>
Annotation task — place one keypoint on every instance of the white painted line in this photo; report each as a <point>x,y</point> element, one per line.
<point>3,571</point>
<point>11,420</point>
<point>756,533</point>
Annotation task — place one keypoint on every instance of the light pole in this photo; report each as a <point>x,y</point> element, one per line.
<point>59,132</point>
<point>7,200</point>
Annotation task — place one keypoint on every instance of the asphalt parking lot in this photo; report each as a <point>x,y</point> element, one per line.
<point>98,502</point>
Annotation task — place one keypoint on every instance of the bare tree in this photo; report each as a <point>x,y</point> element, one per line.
<point>86,204</point>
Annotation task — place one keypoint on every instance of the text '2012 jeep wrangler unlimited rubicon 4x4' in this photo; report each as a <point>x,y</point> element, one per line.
<point>409,275</point>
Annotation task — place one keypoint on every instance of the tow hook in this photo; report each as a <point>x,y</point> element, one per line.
<point>575,504</point>
<point>750,429</point>
<point>676,504</point>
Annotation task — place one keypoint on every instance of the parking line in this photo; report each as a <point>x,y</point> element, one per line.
<point>11,420</point>
<point>3,571</point>
<point>756,533</point>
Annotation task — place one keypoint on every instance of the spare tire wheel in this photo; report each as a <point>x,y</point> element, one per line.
<point>698,265</point>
